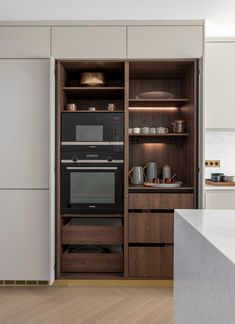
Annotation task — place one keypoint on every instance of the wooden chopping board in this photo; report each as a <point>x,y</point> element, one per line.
<point>212,183</point>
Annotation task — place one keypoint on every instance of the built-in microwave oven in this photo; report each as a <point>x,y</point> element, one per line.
<point>92,128</point>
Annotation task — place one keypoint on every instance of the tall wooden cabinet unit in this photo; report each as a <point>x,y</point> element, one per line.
<point>145,231</point>
<point>79,230</point>
<point>150,211</point>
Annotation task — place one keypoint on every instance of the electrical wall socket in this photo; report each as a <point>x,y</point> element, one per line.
<point>212,163</point>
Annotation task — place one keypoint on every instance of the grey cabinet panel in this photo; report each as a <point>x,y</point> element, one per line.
<point>89,42</point>
<point>24,123</point>
<point>25,42</point>
<point>24,235</point>
<point>219,85</point>
<point>220,200</point>
<point>153,42</point>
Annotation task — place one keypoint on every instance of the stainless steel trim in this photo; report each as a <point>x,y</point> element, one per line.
<point>92,143</point>
<point>91,168</point>
<point>92,161</point>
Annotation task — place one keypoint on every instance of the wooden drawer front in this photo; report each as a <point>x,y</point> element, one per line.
<point>160,201</point>
<point>92,262</point>
<point>92,235</point>
<point>151,262</point>
<point>151,227</point>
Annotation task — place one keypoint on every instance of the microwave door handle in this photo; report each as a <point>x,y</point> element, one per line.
<point>91,168</point>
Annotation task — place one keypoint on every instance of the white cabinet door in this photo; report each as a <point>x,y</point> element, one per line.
<point>24,235</point>
<point>89,42</point>
<point>220,200</point>
<point>220,85</point>
<point>153,42</point>
<point>24,123</point>
<point>24,42</point>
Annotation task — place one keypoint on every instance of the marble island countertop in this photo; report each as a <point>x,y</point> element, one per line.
<point>204,266</point>
<point>217,226</point>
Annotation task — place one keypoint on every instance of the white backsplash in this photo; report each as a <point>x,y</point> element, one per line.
<point>220,145</point>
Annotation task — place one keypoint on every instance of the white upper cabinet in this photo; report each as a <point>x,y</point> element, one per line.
<point>220,84</point>
<point>24,42</point>
<point>157,42</point>
<point>24,123</point>
<point>92,42</point>
<point>24,234</point>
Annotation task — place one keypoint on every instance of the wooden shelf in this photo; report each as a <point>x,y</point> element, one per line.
<point>160,135</point>
<point>91,275</point>
<point>88,111</point>
<point>94,92</point>
<point>142,188</point>
<point>157,103</point>
<point>92,216</point>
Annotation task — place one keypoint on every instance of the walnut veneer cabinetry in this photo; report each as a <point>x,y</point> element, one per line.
<point>151,210</point>
<point>141,238</point>
<point>104,233</point>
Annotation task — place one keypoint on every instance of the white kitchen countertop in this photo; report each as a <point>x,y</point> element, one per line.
<point>216,188</point>
<point>217,226</point>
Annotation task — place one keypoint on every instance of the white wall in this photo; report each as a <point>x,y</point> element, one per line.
<point>216,12</point>
<point>219,145</point>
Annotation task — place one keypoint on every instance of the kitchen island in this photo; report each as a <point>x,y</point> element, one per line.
<point>204,267</point>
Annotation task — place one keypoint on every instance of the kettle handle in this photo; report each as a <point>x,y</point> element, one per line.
<point>145,177</point>
<point>130,172</point>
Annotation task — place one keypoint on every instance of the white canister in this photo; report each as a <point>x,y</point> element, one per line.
<point>166,172</point>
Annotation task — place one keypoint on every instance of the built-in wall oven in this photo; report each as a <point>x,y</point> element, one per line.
<point>91,183</point>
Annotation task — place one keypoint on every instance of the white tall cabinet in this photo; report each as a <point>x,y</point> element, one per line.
<point>24,169</point>
<point>24,123</point>
<point>25,148</point>
<point>219,83</point>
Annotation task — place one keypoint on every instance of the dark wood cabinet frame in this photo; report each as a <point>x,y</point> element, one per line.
<point>146,234</point>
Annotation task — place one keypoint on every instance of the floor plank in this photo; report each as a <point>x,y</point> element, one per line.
<point>85,305</point>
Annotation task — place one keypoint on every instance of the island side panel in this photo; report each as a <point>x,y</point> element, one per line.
<point>204,285</point>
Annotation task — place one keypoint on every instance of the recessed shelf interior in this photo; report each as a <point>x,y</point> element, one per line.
<point>98,97</point>
<point>176,150</point>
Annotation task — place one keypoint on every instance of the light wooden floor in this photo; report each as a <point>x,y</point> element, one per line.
<point>86,305</point>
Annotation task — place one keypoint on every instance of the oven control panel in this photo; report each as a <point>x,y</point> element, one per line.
<point>83,157</point>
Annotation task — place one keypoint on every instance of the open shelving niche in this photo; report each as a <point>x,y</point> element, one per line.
<point>85,97</point>
<point>84,229</point>
<point>177,150</point>
<point>150,210</point>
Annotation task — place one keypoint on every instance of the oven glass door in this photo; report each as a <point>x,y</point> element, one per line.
<point>92,189</point>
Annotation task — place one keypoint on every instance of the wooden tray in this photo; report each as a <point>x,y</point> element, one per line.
<point>212,183</point>
<point>176,184</point>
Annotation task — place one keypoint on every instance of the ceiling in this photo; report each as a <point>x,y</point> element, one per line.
<point>219,15</point>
